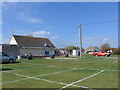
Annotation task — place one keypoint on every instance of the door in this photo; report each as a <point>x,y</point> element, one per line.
<point>46,52</point>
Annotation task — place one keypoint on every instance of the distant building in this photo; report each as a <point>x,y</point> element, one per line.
<point>91,50</point>
<point>34,45</point>
<point>75,52</point>
<point>63,51</point>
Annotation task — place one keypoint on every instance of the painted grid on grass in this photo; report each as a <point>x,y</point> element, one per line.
<point>65,85</point>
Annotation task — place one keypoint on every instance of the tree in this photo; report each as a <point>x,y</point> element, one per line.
<point>105,47</point>
<point>116,51</point>
<point>70,48</point>
<point>73,48</point>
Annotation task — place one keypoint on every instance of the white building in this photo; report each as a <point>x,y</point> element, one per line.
<point>34,45</point>
<point>75,52</point>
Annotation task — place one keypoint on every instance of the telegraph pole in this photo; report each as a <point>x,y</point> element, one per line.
<point>80,32</point>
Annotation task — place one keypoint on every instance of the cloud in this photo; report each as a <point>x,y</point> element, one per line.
<point>54,37</point>
<point>7,5</point>
<point>0,37</point>
<point>106,39</point>
<point>4,41</point>
<point>12,0</point>
<point>96,40</point>
<point>1,22</point>
<point>88,38</point>
<point>25,16</point>
<point>38,33</point>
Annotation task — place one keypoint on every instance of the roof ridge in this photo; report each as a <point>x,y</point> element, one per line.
<point>30,37</point>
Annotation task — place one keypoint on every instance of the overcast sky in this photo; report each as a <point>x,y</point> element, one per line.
<point>60,22</point>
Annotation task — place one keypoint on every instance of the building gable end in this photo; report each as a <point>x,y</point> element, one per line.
<point>13,41</point>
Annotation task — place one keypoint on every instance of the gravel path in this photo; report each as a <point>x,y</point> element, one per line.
<point>114,57</point>
<point>61,58</point>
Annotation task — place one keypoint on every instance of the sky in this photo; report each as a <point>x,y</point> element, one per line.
<point>59,21</point>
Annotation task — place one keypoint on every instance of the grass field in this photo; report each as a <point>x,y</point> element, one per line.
<point>115,56</point>
<point>89,72</point>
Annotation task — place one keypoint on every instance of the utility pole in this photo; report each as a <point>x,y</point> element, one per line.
<point>80,32</point>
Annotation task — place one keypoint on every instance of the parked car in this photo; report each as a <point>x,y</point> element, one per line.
<point>101,53</point>
<point>6,58</point>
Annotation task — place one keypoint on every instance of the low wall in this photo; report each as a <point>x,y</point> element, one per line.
<point>11,50</point>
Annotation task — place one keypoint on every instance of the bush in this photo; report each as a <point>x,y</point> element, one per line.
<point>67,55</point>
<point>116,51</point>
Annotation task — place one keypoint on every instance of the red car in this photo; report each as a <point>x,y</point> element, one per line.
<point>101,53</point>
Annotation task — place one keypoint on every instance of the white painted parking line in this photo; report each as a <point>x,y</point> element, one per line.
<point>43,80</point>
<point>73,67</point>
<point>23,69</point>
<point>45,65</point>
<point>59,82</point>
<point>81,80</point>
<point>54,73</point>
<point>115,62</point>
<point>95,69</point>
<point>27,77</point>
<point>13,70</point>
<point>32,63</point>
<point>42,74</point>
<point>14,81</point>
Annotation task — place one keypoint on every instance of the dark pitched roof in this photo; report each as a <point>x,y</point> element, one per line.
<point>27,41</point>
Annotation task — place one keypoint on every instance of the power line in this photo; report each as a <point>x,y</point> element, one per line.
<point>110,21</point>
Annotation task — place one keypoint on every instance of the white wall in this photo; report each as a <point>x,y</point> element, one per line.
<point>32,51</point>
<point>51,52</point>
<point>36,51</point>
<point>1,48</point>
<point>13,41</point>
<point>75,52</point>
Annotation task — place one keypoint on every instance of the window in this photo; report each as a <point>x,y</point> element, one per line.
<point>46,52</point>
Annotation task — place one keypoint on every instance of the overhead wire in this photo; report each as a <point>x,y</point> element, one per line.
<point>110,21</point>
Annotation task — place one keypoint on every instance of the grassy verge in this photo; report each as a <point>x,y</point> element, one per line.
<point>115,56</point>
